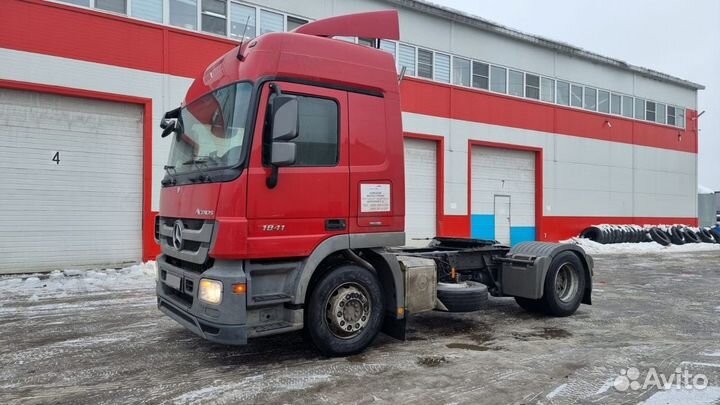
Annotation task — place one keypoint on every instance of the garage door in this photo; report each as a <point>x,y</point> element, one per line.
<point>503,195</point>
<point>420,191</point>
<point>72,182</point>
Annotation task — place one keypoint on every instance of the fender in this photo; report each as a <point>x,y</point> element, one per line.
<point>538,256</point>
<point>338,243</point>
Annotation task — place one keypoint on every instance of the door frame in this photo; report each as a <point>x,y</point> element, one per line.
<point>439,174</point>
<point>539,218</point>
<point>149,247</point>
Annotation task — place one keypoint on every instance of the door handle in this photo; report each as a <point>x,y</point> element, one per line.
<point>335,225</point>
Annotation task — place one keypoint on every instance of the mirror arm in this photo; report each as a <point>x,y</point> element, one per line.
<point>272,180</point>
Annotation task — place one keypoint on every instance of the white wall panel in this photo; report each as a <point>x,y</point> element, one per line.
<point>582,176</point>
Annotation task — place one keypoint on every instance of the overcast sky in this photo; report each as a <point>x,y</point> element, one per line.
<point>678,38</point>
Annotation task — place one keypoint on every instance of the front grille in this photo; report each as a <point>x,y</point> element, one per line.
<point>196,239</point>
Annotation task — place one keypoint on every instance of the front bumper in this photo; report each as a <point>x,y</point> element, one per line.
<point>224,323</point>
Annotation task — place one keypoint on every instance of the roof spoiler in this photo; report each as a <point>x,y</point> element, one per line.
<point>376,24</point>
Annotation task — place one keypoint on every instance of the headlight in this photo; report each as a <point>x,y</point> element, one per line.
<point>210,291</point>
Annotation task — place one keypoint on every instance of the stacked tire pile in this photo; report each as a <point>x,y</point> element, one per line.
<point>664,235</point>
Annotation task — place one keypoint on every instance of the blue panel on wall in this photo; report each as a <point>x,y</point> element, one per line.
<point>521,234</point>
<point>482,227</point>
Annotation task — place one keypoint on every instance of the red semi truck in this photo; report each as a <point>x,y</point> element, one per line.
<point>283,204</point>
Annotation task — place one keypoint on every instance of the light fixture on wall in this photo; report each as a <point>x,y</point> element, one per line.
<point>679,136</point>
<point>608,123</point>
<point>698,116</point>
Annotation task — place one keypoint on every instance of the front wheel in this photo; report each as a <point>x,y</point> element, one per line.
<point>345,311</point>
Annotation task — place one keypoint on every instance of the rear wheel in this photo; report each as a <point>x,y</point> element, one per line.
<point>345,311</point>
<point>563,290</point>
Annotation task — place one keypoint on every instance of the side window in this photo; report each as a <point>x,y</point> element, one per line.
<point>317,141</point>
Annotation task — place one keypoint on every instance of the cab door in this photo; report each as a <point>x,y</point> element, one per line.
<point>310,201</point>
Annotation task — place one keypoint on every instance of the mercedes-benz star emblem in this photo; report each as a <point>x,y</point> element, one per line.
<point>177,235</point>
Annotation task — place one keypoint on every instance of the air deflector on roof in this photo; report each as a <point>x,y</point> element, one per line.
<point>375,24</point>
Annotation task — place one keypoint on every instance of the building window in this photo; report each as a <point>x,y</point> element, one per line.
<point>116,6</point>
<point>425,63</point>
<point>576,96</point>
<point>151,10</point>
<point>532,86</point>
<point>318,134</point>
<point>627,106</point>
<point>242,21</point>
<point>516,83</point>
<point>461,71</point>
<point>616,104</point>
<point>639,108</point>
<point>660,113</point>
<point>294,22</point>
<point>183,13</point>
<point>214,17</point>
<point>603,101</point>
<point>563,93</point>
<point>671,115</point>
<point>370,42</point>
<point>442,67</point>
<point>649,111</point>
<point>547,90</point>
<point>590,99</point>
<point>498,79</point>
<point>271,22</point>
<point>680,120</point>
<point>481,75</point>
<point>85,3</point>
<point>388,46</point>
<point>406,58</point>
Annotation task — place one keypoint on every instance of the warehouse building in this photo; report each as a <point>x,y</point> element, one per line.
<point>508,136</point>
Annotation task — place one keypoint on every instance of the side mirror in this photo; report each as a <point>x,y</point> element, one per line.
<point>284,122</point>
<point>283,154</point>
<point>284,118</point>
<point>169,125</point>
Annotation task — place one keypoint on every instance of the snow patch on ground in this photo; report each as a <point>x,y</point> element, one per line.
<point>708,396</point>
<point>644,247</point>
<point>71,281</point>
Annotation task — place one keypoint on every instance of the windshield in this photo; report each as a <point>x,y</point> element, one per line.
<point>213,131</point>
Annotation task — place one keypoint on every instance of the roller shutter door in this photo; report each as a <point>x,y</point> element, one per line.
<point>420,191</point>
<point>72,187</point>
<point>503,180</point>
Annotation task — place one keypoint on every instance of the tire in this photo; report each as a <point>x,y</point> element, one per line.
<point>676,235</point>
<point>358,292</point>
<point>593,233</point>
<point>467,296</point>
<point>705,235</point>
<point>715,234</point>
<point>660,237</point>
<point>564,302</point>
<point>690,236</point>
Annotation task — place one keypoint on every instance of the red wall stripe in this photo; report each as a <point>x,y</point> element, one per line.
<point>561,228</point>
<point>440,100</point>
<point>71,32</point>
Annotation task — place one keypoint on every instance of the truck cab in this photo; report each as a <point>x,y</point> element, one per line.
<point>284,193</point>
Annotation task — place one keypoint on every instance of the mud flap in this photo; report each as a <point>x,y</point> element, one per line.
<point>394,327</point>
<point>524,268</point>
<point>524,276</point>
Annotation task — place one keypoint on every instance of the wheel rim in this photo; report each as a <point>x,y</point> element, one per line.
<point>347,310</point>
<point>566,282</point>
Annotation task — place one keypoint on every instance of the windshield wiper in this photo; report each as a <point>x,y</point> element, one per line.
<point>197,162</point>
<point>170,170</point>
